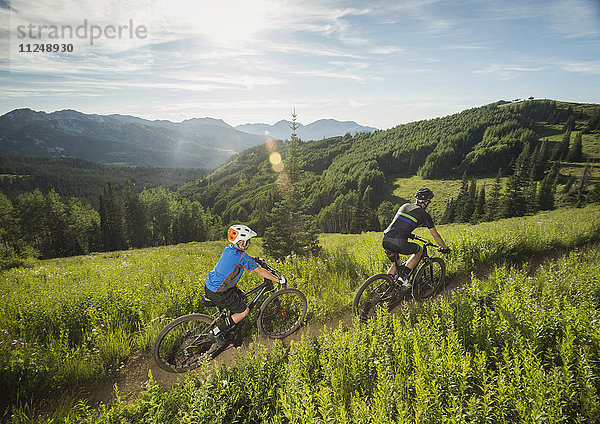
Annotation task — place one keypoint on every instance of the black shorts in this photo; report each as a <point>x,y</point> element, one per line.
<point>232,299</point>
<point>394,246</point>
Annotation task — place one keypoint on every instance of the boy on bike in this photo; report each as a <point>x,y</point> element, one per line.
<point>395,237</point>
<point>221,284</point>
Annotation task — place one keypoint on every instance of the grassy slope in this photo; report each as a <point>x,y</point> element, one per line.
<point>67,321</point>
<point>444,190</point>
<point>517,347</point>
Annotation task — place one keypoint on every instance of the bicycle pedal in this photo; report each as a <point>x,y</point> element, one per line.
<point>217,339</point>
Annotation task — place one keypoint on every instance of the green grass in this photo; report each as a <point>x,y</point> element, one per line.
<point>444,190</point>
<point>65,322</point>
<point>516,347</point>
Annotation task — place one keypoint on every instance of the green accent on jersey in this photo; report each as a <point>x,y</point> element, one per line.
<point>412,218</point>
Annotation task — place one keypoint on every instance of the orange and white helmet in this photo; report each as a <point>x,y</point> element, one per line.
<point>239,233</point>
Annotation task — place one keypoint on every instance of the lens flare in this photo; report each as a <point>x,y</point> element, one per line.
<point>275,158</point>
<point>270,144</point>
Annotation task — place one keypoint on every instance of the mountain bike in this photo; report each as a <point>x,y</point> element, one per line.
<point>385,290</point>
<point>185,342</point>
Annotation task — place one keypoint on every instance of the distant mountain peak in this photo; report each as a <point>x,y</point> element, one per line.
<point>206,121</point>
<point>323,128</point>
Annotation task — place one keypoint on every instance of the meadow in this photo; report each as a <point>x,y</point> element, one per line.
<point>516,347</point>
<point>66,322</point>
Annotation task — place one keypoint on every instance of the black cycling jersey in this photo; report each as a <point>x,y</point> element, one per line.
<point>408,217</point>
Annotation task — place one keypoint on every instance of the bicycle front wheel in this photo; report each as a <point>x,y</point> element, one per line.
<point>378,291</point>
<point>429,278</point>
<point>184,343</point>
<point>282,313</point>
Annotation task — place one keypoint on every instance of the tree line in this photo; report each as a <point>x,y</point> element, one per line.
<point>532,186</point>
<point>339,184</point>
<point>86,180</point>
<point>342,182</point>
<point>41,225</point>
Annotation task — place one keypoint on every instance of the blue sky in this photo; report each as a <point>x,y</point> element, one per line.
<point>379,63</point>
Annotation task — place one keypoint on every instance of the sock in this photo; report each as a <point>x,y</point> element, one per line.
<point>404,271</point>
<point>228,324</point>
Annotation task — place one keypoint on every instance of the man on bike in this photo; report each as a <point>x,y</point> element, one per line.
<point>221,284</point>
<point>395,237</point>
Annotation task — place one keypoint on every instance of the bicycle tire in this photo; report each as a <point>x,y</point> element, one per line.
<point>373,294</point>
<point>282,313</point>
<point>183,343</point>
<point>428,279</point>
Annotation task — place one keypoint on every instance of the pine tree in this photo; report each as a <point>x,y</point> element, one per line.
<point>575,150</point>
<point>563,147</point>
<point>111,220</point>
<point>7,223</point>
<point>493,203</point>
<point>449,215</point>
<point>479,213</point>
<point>371,222</point>
<point>540,161</point>
<point>469,203</point>
<point>31,219</point>
<point>513,201</point>
<point>593,122</point>
<point>412,165</point>
<point>55,242</point>
<point>461,204</point>
<point>289,231</point>
<point>531,197</point>
<point>570,124</point>
<point>545,194</point>
<point>579,190</point>
<point>292,166</point>
<point>594,195</point>
<point>133,217</point>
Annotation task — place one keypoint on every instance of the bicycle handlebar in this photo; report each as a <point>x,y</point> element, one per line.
<point>422,240</point>
<point>265,265</point>
<point>428,243</point>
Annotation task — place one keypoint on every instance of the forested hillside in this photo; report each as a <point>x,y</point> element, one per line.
<point>345,182</point>
<point>487,163</point>
<point>86,180</point>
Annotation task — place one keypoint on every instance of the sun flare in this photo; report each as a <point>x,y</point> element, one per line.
<point>225,22</point>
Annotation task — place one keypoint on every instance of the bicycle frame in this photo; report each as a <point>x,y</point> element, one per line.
<point>264,287</point>
<point>424,256</point>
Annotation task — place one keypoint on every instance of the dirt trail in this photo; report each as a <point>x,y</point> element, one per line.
<point>135,372</point>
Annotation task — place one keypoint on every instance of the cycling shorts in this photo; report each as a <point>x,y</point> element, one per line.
<point>399,246</point>
<point>232,299</point>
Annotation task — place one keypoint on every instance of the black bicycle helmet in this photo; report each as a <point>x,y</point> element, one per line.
<point>423,195</point>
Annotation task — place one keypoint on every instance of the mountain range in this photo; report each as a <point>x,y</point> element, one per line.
<point>128,140</point>
<point>323,128</point>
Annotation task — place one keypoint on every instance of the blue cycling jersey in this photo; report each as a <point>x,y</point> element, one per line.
<point>229,269</point>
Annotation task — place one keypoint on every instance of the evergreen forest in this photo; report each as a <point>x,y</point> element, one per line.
<point>511,159</point>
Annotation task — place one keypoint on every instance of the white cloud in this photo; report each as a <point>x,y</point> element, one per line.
<point>507,71</point>
<point>591,67</point>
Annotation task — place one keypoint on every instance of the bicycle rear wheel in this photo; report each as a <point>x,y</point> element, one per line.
<point>282,313</point>
<point>378,291</point>
<point>184,343</point>
<point>428,279</point>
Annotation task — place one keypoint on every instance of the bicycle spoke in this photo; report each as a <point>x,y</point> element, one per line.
<point>429,278</point>
<point>282,313</point>
<point>183,343</point>
<point>375,293</point>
